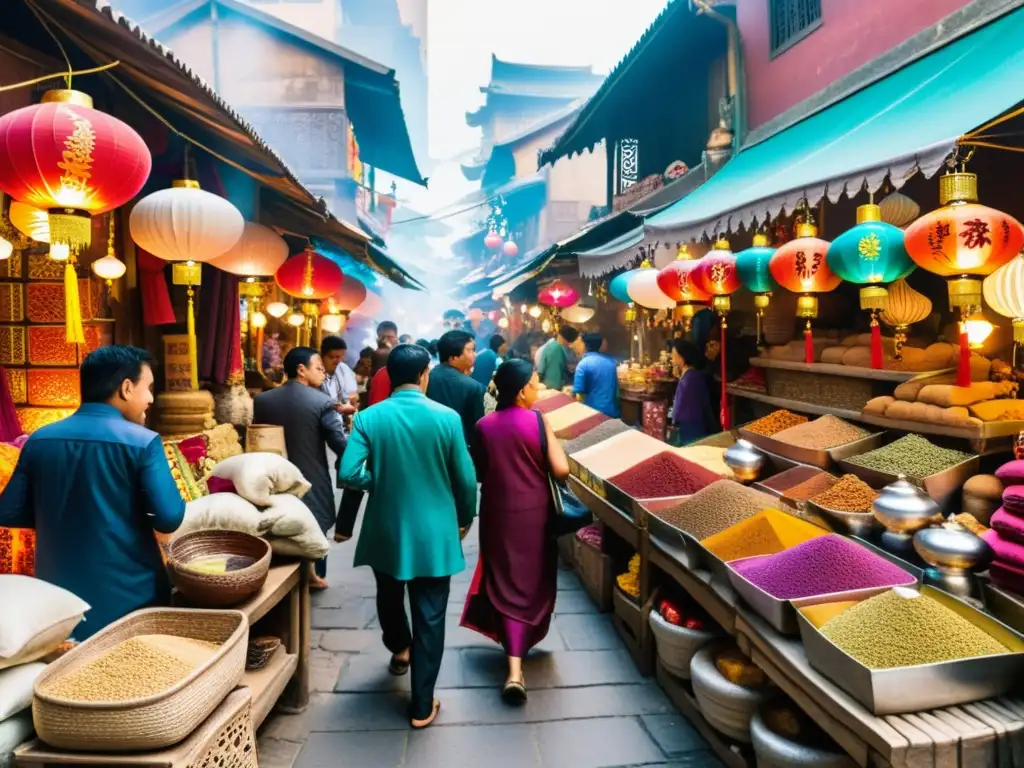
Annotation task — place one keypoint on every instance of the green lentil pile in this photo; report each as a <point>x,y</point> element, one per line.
<point>903,628</point>
<point>911,455</point>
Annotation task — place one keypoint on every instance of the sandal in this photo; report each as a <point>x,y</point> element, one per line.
<point>316,584</point>
<point>398,667</point>
<point>514,693</point>
<point>419,725</point>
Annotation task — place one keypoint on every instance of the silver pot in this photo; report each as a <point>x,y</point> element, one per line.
<point>744,460</point>
<point>952,554</point>
<point>904,509</point>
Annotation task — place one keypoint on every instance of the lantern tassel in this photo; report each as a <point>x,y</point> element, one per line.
<point>72,307</point>
<point>724,404</point>
<point>193,353</point>
<point>876,343</point>
<point>808,344</point>
<point>963,370</point>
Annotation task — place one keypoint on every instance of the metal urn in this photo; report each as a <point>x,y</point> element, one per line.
<point>904,509</point>
<point>952,553</point>
<point>744,460</point>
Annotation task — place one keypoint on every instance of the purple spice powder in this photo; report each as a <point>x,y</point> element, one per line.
<point>821,566</point>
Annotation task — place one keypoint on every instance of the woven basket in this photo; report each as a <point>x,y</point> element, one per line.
<point>218,590</point>
<point>260,650</point>
<point>150,722</point>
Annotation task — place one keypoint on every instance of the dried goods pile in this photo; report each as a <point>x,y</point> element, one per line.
<point>713,509</point>
<point>819,567</point>
<point>911,455</point>
<point>581,427</point>
<point>774,422</point>
<point>903,628</point>
<point>666,474</point>
<point>707,456</point>
<point>619,453</point>
<point>598,434</point>
<point>629,582</point>
<point>212,565</point>
<point>569,415</point>
<point>553,403</point>
<point>850,494</point>
<point>820,434</point>
<point>810,487</point>
<point>140,666</point>
<point>766,533</point>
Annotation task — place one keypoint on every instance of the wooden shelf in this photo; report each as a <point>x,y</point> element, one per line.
<point>847,371</point>
<point>268,683</point>
<point>791,405</point>
<point>282,578</point>
<point>618,521</point>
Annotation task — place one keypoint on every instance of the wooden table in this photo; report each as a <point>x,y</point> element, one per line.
<point>284,681</point>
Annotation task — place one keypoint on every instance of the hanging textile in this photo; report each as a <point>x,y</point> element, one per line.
<point>219,328</point>
<point>156,299</point>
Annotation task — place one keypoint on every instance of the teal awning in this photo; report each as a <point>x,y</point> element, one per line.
<point>906,123</point>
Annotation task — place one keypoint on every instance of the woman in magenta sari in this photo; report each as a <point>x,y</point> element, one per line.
<point>513,591</point>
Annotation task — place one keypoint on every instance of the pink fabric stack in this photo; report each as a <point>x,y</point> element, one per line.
<point>1007,534</point>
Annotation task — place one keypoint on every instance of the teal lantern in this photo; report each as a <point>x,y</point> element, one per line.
<point>871,255</point>
<point>752,267</point>
<point>617,287</point>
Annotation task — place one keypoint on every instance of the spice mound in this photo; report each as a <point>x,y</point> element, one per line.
<point>850,494</point>
<point>903,628</point>
<point>553,403</point>
<point>629,582</point>
<point>819,567</point>
<point>826,432</point>
<point>713,509</point>
<point>140,666</point>
<point>766,533</point>
<point>595,435</point>
<point>581,427</point>
<point>774,422</point>
<point>911,455</point>
<point>666,474</point>
<point>812,486</point>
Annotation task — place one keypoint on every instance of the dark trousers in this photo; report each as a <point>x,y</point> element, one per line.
<point>348,511</point>
<point>428,601</point>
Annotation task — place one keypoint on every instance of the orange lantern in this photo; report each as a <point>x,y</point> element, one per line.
<point>800,266</point>
<point>676,282</point>
<point>963,242</point>
<point>309,276</point>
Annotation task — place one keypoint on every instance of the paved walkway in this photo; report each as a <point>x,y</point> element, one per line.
<point>588,707</point>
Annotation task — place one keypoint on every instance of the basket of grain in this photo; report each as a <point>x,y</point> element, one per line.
<point>217,569</point>
<point>143,683</point>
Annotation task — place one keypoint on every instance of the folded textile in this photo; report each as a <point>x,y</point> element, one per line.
<point>1013,499</point>
<point>1007,576</point>
<point>1009,526</point>
<point>1011,472</point>
<point>1004,550</point>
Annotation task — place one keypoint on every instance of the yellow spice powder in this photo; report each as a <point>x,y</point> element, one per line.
<point>766,533</point>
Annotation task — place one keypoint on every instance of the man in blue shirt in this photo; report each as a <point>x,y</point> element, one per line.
<point>488,360</point>
<point>597,379</point>
<point>95,486</point>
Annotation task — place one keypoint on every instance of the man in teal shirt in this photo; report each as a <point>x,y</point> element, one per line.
<point>95,486</point>
<point>553,366</point>
<point>410,454</point>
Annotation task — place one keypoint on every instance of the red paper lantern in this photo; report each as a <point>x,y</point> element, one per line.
<point>351,294</point>
<point>309,276</point>
<point>510,249</point>
<point>716,275</point>
<point>676,281</point>
<point>71,160</point>
<point>800,266</point>
<point>558,294</point>
<point>492,240</point>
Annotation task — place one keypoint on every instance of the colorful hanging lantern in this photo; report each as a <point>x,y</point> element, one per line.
<point>578,314</point>
<point>756,277</point>
<point>109,268</point>
<point>333,323</point>
<point>676,282</point>
<point>558,294</point>
<point>73,162</point>
<point>309,276</point>
<point>800,266</point>
<point>899,210</point>
<point>258,253</point>
<point>510,249</point>
<point>492,240</point>
<point>905,307</point>
<point>643,289</point>
<point>348,298</point>
<point>1004,293</point>
<point>618,285</point>
<point>963,242</point>
<point>871,254</point>
<point>716,274</point>
<point>186,225</point>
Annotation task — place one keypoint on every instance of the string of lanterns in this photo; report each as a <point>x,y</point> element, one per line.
<point>497,229</point>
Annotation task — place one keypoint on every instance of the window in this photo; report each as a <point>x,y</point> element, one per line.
<point>791,21</point>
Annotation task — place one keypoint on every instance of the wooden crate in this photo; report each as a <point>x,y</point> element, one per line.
<point>597,573</point>
<point>630,620</point>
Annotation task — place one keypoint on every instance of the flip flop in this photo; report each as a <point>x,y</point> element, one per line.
<point>419,725</point>
<point>514,693</point>
<point>398,667</point>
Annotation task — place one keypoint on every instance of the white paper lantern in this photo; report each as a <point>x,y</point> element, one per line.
<point>109,268</point>
<point>258,253</point>
<point>332,323</point>
<point>185,223</point>
<point>643,289</point>
<point>6,249</point>
<point>577,314</point>
<point>1004,292</point>
<point>277,308</point>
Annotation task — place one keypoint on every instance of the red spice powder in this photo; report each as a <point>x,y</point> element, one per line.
<point>665,474</point>
<point>581,427</point>
<point>553,403</point>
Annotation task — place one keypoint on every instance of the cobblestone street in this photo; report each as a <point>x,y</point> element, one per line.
<point>588,707</point>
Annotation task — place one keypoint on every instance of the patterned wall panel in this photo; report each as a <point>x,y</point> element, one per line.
<point>53,388</point>
<point>17,382</point>
<point>12,302</point>
<point>47,345</point>
<point>12,345</point>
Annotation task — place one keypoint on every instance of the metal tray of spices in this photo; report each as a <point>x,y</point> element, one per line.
<point>777,485</point>
<point>823,458</point>
<point>675,538</point>
<point>781,614</point>
<point>943,487</point>
<point>924,686</point>
<point>850,523</point>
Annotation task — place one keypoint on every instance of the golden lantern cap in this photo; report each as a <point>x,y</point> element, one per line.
<point>683,252</point>
<point>806,229</point>
<point>722,244</point>
<point>646,264</point>
<point>868,212</point>
<point>185,184</point>
<point>760,240</point>
<point>67,96</point>
<point>958,187</point>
